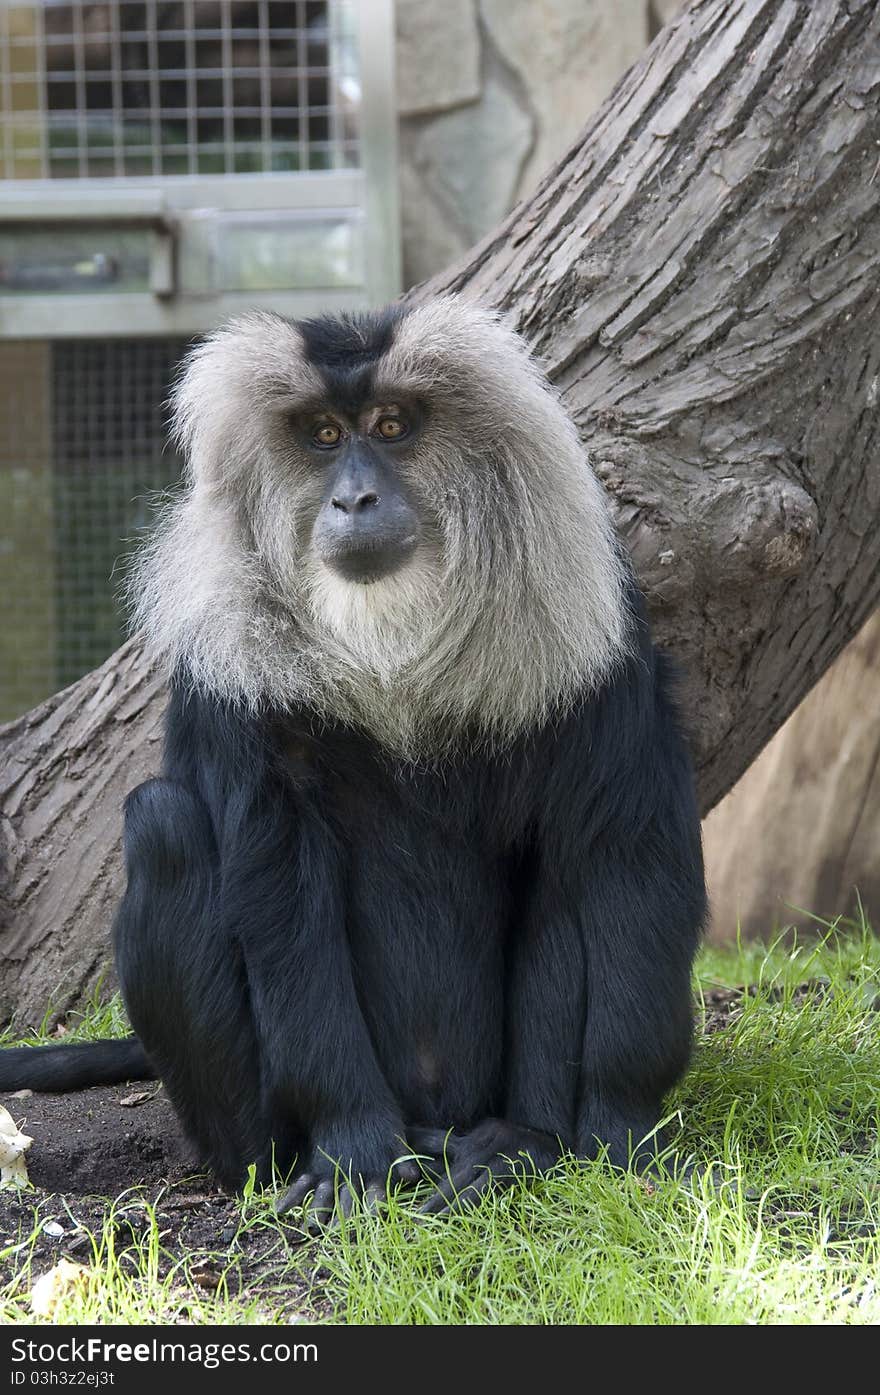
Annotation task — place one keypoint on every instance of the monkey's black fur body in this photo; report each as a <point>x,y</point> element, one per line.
<point>323,947</point>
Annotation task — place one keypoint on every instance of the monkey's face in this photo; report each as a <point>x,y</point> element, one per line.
<point>367,525</point>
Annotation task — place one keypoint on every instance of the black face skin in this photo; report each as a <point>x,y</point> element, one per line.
<point>367,526</point>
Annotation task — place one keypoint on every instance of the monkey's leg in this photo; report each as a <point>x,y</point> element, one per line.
<point>183,979</point>
<point>622,851</point>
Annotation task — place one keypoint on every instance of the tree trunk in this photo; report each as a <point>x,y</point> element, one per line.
<point>66,768</point>
<point>700,276</point>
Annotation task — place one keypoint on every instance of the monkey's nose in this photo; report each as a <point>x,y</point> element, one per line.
<point>355,502</point>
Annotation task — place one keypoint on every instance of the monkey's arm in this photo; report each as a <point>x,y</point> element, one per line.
<point>545,1004</point>
<point>182,979</point>
<point>631,866</point>
<point>283,900</point>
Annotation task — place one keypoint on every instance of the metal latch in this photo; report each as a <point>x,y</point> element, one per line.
<point>57,209</point>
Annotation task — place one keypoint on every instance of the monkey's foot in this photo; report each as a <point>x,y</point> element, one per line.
<point>495,1153</point>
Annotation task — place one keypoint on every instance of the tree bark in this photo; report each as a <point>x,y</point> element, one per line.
<point>66,768</point>
<point>700,276</point>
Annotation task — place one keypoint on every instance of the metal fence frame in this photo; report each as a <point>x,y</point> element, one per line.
<point>170,212</point>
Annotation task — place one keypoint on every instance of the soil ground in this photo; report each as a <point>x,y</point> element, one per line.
<point>124,1142</point>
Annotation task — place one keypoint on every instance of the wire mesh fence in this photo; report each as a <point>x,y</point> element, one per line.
<point>138,87</point>
<point>80,467</point>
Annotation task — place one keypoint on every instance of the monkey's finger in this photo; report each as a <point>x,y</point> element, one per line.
<point>463,1189</point>
<point>345,1200</point>
<point>439,1202</point>
<point>455,1201</point>
<point>434,1142</point>
<point>325,1196</point>
<point>469,1197</point>
<point>406,1172</point>
<point>374,1195</point>
<point>296,1193</point>
<point>321,1208</point>
<point>370,1198</point>
<point>450,1190</point>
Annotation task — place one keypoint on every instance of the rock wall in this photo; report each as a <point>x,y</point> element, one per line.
<point>799,835</point>
<point>490,94</point>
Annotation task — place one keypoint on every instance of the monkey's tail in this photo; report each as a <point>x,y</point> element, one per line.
<point>75,1066</point>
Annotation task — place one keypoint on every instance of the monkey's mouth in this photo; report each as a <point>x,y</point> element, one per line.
<point>365,560</point>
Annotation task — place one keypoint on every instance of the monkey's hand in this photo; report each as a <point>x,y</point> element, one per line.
<point>495,1153</point>
<point>337,1174</point>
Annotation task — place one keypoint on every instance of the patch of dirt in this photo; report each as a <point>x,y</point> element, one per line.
<point>93,1145</point>
<point>101,1140</point>
<point>724,1005</point>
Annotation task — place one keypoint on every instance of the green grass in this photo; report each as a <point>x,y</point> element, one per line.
<point>128,1279</point>
<point>100,1017</point>
<point>777,1222</point>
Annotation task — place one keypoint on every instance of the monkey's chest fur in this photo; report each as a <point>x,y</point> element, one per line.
<point>432,867</point>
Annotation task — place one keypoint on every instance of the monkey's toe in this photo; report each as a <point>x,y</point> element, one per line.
<point>495,1153</point>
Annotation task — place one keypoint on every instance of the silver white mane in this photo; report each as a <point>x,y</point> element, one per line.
<point>512,607</point>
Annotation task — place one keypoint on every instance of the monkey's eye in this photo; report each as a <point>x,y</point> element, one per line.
<point>391,428</point>
<point>327,435</point>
